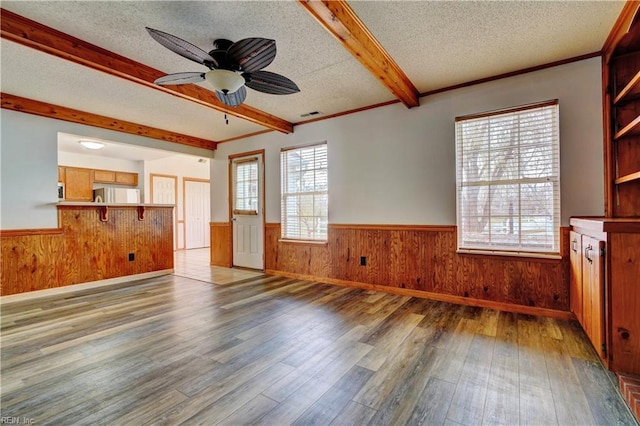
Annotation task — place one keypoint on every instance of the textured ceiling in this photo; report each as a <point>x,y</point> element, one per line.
<point>437,44</point>
<point>440,44</point>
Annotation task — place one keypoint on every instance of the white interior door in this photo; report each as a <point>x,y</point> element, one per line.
<point>247,211</point>
<point>196,213</point>
<point>163,190</point>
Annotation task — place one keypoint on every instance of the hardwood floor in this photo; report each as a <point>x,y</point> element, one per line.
<point>234,347</point>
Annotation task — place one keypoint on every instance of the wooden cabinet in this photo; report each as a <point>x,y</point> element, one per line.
<point>104,176</point>
<point>593,292</point>
<point>124,178</point>
<point>78,182</point>
<point>575,288</point>
<point>605,287</point>
<point>116,178</point>
<point>78,185</point>
<point>587,291</point>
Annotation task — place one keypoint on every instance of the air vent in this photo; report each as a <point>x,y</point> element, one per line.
<point>310,114</point>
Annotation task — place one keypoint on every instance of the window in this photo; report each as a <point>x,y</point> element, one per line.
<point>246,186</point>
<point>507,179</point>
<point>304,210</point>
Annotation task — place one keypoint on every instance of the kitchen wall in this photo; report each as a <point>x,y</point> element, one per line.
<point>101,162</point>
<point>29,162</point>
<point>180,166</point>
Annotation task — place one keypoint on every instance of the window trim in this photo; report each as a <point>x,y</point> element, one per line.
<point>518,251</point>
<point>510,110</point>
<point>289,239</point>
<point>234,196</point>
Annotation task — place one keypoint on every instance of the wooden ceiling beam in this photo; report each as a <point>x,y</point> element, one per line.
<point>43,109</point>
<point>337,17</point>
<point>35,35</point>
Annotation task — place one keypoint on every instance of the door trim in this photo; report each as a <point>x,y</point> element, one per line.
<point>262,200</point>
<point>184,205</point>
<point>175,213</point>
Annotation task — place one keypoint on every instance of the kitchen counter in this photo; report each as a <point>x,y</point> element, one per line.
<point>103,209</point>
<point>598,226</point>
<point>91,204</point>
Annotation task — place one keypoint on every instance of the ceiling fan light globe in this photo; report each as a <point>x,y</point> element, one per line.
<point>224,81</point>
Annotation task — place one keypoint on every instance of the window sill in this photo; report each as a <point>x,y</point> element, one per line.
<point>303,242</point>
<point>526,255</point>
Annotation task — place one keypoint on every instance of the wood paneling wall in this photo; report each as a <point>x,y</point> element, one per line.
<point>86,249</point>
<point>221,249</point>
<point>423,258</point>
<point>31,261</point>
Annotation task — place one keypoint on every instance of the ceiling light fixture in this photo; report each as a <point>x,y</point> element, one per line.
<point>92,144</point>
<point>224,81</point>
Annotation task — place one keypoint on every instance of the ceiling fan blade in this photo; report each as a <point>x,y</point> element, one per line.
<point>252,54</point>
<point>180,78</point>
<point>183,48</point>
<point>270,82</point>
<point>232,99</point>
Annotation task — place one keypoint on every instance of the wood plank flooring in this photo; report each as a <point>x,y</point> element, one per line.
<point>231,347</point>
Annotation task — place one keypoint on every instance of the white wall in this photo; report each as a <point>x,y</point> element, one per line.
<point>392,165</point>
<point>29,165</point>
<point>180,165</point>
<point>89,161</point>
<point>29,173</point>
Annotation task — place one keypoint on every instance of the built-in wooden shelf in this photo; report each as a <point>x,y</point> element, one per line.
<point>628,178</point>
<point>631,129</point>
<point>630,90</point>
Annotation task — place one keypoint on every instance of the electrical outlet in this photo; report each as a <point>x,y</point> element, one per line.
<point>132,257</point>
<point>363,261</point>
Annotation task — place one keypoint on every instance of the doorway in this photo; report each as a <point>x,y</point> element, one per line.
<point>197,212</point>
<point>247,209</point>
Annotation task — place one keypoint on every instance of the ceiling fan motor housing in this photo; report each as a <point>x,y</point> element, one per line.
<point>232,66</point>
<point>222,44</point>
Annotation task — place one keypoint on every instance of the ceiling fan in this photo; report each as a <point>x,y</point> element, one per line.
<point>232,66</point>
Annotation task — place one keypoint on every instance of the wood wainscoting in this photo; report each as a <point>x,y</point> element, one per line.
<point>31,260</point>
<point>221,248</point>
<point>86,249</point>
<point>422,260</point>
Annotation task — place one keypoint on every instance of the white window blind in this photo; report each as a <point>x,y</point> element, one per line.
<point>304,210</point>
<point>246,186</point>
<point>507,178</point>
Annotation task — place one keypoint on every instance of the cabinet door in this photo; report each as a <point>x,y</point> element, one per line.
<point>78,185</point>
<point>104,176</point>
<point>575,288</point>
<point>624,259</point>
<point>124,178</point>
<point>593,292</point>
